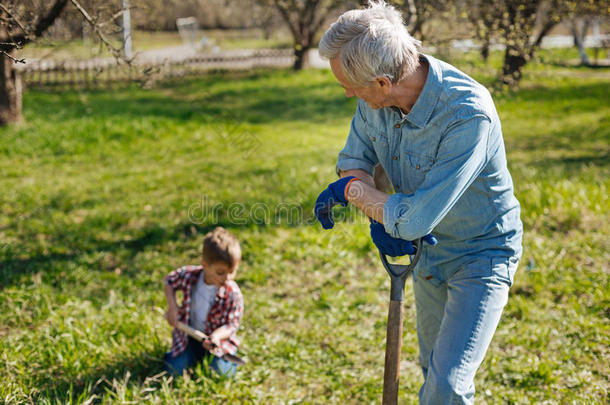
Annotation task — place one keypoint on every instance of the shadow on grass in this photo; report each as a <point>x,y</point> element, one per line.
<point>584,97</point>
<point>576,65</point>
<point>568,148</point>
<point>576,143</point>
<point>288,99</point>
<point>15,268</point>
<point>579,161</point>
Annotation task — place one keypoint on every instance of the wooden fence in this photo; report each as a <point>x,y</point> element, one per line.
<point>103,73</point>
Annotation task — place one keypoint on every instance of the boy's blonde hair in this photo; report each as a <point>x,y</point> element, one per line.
<point>221,246</point>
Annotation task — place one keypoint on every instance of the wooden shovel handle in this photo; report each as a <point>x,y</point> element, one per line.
<point>392,353</point>
<point>194,333</point>
<point>200,337</point>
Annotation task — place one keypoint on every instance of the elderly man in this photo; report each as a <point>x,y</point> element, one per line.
<point>437,134</point>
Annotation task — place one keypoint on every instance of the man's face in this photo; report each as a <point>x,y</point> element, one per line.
<point>218,273</point>
<point>375,95</point>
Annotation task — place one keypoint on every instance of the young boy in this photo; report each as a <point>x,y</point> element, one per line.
<point>211,303</point>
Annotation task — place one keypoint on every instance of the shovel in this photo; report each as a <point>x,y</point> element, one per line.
<point>200,337</point>
<point>398,275</point>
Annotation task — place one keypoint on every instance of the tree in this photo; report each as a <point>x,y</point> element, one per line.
<point>582,15</point>
<point>484,17</point>
<point>546,15</point>
<point>580,26</point>
<point>517,25</point>
<point>22,22</point>
<point>419,12</point>
<point>14,34</point>
<point>522,25</point>
<point>304,19</point>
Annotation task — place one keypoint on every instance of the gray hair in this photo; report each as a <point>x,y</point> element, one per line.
<point>372,43</point>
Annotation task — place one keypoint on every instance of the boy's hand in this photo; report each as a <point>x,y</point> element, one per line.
<point>172,306</point>
<point>212,345</point>
<point>172,316</point>
<point>215,337</point>
<point>207,345</point>
<point>335,193</point>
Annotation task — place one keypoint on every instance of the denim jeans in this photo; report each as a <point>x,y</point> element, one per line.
<point>456,320</point>
<point>195,353</point>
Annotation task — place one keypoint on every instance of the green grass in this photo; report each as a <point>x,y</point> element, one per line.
<point>105,192</point>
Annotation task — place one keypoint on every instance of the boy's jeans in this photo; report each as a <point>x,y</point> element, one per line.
<point>194,354</point>
<point>456,319</point>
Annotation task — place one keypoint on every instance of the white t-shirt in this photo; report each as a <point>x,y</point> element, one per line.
<point>202,299</point>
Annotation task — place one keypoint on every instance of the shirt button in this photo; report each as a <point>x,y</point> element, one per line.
<point>397,126</point>
<point>417,167</point>
<point>396,158</point>
<point>374,139</point>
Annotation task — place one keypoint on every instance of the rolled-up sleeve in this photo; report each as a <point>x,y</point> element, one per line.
<point>461,157</point>
<point>358,152</point>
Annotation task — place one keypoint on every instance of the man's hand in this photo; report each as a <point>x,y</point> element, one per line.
<point>394,247</point>
<point>335,193</point>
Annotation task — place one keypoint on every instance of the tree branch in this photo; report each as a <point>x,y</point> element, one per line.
<point>16,41</point>
<point>115,51</point>
<point>114,16</point>
<point>11,57</point>
<point>286,15</point>
<point>14,19</point>
<point>410,6</point>
<point>45,22</point>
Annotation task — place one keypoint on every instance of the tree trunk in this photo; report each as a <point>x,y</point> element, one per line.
<point>486,44</point>
<point>518,23</point>
<point>10,92</point>
<point>485,52</point>
<point>514,60</point>
<point>300,54</point>
<point>579,31</point>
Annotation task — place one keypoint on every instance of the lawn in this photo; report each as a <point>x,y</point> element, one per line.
<point>104,192</point>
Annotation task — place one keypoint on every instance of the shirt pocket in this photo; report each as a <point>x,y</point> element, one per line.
<point>418,165</point>
<point>380,143</point>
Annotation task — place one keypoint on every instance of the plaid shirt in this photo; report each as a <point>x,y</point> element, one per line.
<point>227,309</point>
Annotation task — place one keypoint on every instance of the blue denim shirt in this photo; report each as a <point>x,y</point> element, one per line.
<point>447,163</point>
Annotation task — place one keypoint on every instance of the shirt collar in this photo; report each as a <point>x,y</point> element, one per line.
<point>424,105</point>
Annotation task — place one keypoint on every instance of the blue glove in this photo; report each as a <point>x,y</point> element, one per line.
<point>394,247</point>
<point>334,194</point>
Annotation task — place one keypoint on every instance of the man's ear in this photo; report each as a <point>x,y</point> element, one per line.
<point>383,82</point>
